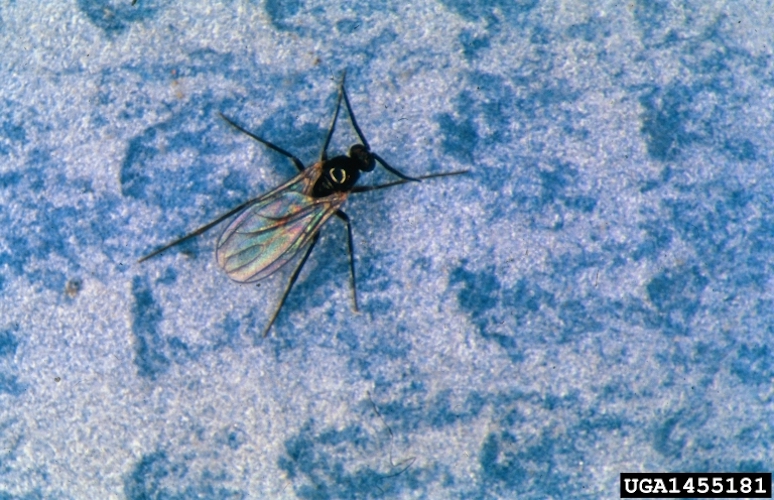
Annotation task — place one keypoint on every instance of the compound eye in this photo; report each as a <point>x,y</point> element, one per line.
<point>363,156</point>
<point>338,175</point>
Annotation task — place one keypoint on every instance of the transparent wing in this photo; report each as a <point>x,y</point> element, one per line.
<point>267,235</point>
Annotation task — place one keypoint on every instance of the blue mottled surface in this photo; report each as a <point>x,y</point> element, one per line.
<point>596,296</point>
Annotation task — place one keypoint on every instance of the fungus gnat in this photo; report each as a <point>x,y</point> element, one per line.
<point>269,231</point>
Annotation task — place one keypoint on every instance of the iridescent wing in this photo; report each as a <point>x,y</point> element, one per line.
<point>267,234</point>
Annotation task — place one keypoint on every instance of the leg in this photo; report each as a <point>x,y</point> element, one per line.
<point>341,215</point>
<point>293,279</point>
<point>393,170</point>
<point>324,152</point>
<point>296,161</point>
<point>378,158</point>
<point>365,189</point>
<point>343,92</point>
<point>200,230</point>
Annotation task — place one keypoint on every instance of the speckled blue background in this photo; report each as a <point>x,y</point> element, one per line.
<point>594,297</point>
